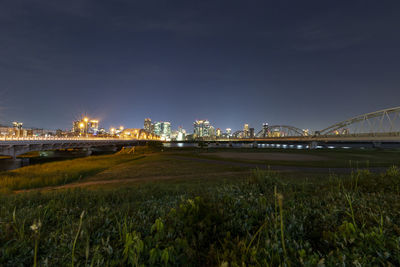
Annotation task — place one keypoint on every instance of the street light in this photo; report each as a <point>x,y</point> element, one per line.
<point>81,126</point>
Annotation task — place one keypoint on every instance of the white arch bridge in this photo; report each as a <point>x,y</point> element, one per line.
<point>376,128</point>
<point>18,146</point>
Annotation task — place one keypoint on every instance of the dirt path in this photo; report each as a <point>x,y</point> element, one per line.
<point>129,180</point>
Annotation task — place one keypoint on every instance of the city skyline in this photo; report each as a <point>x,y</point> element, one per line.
<point>307,64</point>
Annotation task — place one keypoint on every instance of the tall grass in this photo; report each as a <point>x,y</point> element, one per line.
<point>58,173</point>
<point>212,223</point>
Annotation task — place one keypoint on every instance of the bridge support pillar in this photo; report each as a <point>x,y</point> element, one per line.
<point>376,144</point>
<point>313,145</point>
<point>13,153</point>
<point>89,151</point>
<point>255,144</point>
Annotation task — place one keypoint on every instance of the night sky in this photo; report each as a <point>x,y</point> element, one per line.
<point>304,63</point>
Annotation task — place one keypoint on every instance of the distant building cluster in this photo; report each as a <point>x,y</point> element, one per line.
<point>86,126</point>
<point>158,130</point>
<point>18,131</point>
<point>202,130</point>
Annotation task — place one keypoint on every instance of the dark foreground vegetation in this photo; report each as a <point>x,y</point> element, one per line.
<point>263,219</point>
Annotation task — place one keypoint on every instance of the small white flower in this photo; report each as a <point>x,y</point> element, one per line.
<point>36,226</point>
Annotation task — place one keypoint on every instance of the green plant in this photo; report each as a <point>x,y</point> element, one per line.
<point>35,227</point>
<point>133,247</point>
<point>76,238</point>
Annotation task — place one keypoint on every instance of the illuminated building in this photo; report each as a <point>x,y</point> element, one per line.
<point>211,131</point>
<point>163,129</point>
<point>75,127</point>
<point>4,130</point>
<point>181,134</point>
<point>158,128</point>
<point>147,125</point>
<point>93,127</point>
<point>180,137</point>
<point>264,132</point>
<point>251,132</point>
<point>120,129</point>
<point>218,133</point>
<point>201,128</point>
<point>85,126</point>
<point>246,132</point>
<point>136,133</point>
<point>166,129</point>
<point>18,131</point>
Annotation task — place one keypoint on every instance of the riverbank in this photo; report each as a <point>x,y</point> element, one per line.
<point>155,209</point>
<point>198,162</point>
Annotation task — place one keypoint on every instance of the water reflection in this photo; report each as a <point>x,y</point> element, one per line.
<point>11,164</point>
<point>234,145</point>
<point>46,156</point>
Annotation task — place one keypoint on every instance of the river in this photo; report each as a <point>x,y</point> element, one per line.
<point>45,156</point>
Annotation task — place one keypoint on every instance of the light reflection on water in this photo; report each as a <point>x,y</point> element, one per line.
<point>251,145</point>
<point>44,156</point>
<point>235,145</point>
<point>11,164</point>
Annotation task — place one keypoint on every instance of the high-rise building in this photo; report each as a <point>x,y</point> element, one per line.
<point>218,132</point>
<point>162,129</point>
<point>264,131</point>
<point>246,132</point>
<point>201,128</point>
<point>77,127</point>
<point>93,127</point>
<point>85,126</point>
<point>147,125</point>
<point>211,131</point>
<point>166,128</point>
<point>228,131</point>
<point>158,128</point>
<point>180,134</point>
<point>251,133</point>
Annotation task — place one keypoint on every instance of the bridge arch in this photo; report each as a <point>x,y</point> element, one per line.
<point>280,131</point>
<point>238,134</point>
<point>381,122</point>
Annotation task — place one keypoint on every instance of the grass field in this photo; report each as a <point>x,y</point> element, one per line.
<point>329,158</point>
<point>160,210</point>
